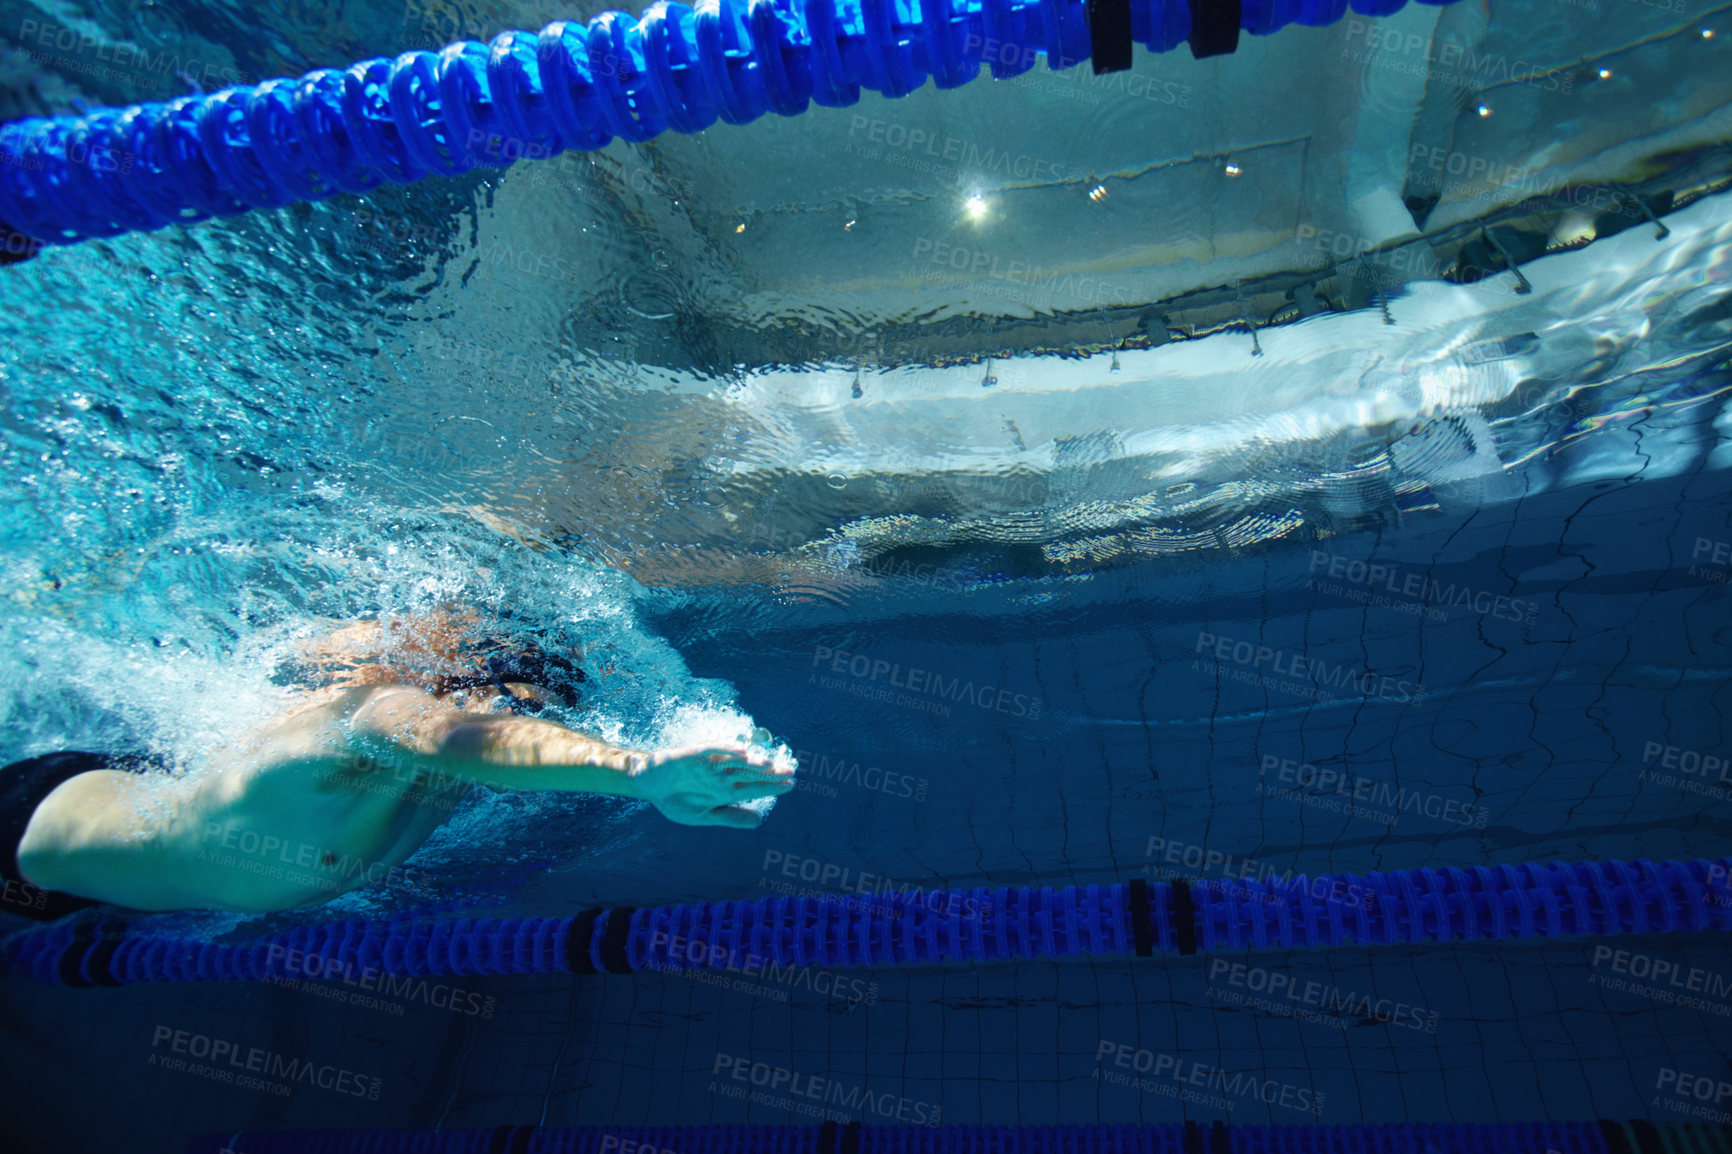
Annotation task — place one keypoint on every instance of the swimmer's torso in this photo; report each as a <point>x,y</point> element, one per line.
<point>295,813</point>
<point>339,790</point>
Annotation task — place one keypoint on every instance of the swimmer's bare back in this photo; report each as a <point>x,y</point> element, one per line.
<point>338,793</point>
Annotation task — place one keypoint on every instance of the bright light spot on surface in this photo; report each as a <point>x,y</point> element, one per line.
<point>1098,193</point>
<point>1605,74</point>
<point>849,227</point>
<point>1707,34</point>
<point>976,207</point>
<point>1233,170</point>
<point>1485,110</point>
<point>740,227</point>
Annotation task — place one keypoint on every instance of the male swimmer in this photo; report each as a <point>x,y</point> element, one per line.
<point>360,769</point>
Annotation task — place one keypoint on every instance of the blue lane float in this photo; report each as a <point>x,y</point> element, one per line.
<point>923,927</point>
<point>571,86</point>
<point>1598,1137</point>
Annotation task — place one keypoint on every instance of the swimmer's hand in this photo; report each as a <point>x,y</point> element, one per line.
<point>704,785</point>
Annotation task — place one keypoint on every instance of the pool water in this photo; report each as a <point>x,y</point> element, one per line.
<point>1213,526</point>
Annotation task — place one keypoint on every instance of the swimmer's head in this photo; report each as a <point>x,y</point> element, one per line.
<point>527,677</point>
<point>518,697</point>
<point>445,652</point>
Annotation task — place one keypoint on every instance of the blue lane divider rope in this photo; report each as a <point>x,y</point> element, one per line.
<point>1598,1137</point>
<point>534,95</point>
<point>1480,903</point>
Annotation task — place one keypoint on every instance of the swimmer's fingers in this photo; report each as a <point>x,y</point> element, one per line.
<point>757,774</point>
<point>746,766</point>
<point>734,760</point>
<point>690,785</point>
<point>733,816</point>
<point>751,789</point>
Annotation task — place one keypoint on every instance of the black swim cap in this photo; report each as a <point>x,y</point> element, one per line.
<point>531,666</point>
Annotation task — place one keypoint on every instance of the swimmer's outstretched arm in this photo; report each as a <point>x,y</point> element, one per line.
<point>146,840</point>
<point>693,786</point>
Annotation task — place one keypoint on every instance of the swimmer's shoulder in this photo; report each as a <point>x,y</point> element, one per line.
<point>311,725</point>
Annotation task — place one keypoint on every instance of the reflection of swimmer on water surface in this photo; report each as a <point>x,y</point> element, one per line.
<point>360,768</point>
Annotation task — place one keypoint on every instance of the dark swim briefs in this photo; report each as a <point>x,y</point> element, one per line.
<point>23,785</point>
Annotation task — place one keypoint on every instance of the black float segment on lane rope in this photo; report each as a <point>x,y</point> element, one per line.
<point>1142,931</point>
<point>99,962</point>
<point>1184,916</point>
<point>613,940</point>
<point>577,942</point>
<point>1617,1141</point>
<point>1214,27</point>
<point>1109,35</point>
<point>1648,1139</point>
<point>510,1140</point>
